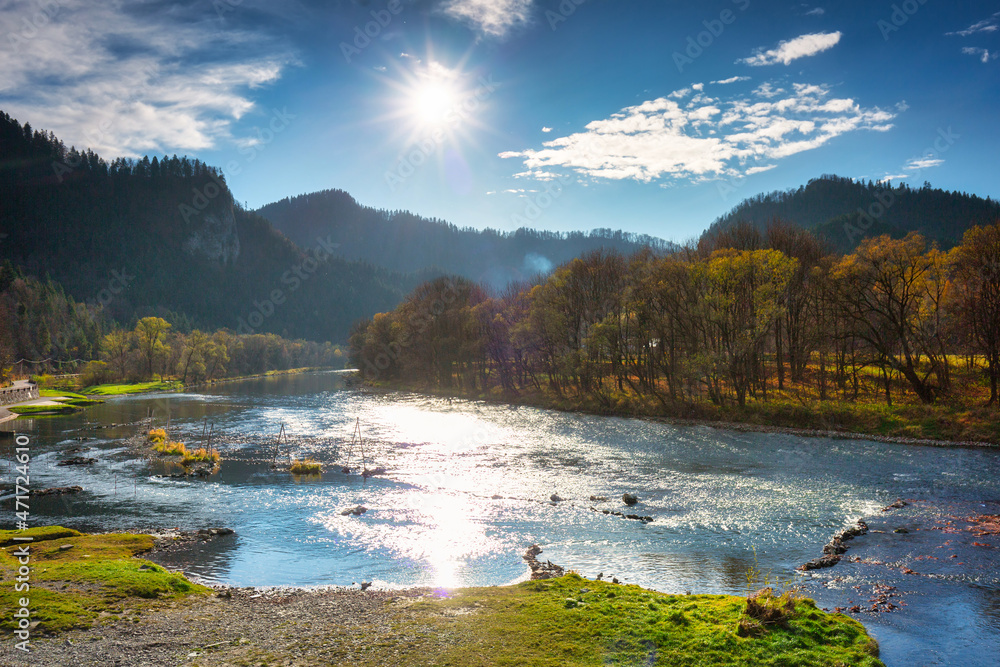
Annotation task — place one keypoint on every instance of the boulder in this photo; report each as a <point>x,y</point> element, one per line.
<point>629,499</point>
<point>555,498</point>
<point>77,461</point>
<point>818,563</point>
<point>354,511</point>
<point>56,491</point>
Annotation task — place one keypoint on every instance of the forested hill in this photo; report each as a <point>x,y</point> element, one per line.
<point>164,237</point>
<point>844,211</point>
<point>407,243</point>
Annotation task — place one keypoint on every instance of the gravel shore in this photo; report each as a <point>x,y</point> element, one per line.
<point>239,626</point>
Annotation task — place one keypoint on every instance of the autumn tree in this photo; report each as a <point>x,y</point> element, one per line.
<point>150,333</point>
<point>976,295</point>
<point>885,290</point>
<point>745,299</point>
<point>116,346</point>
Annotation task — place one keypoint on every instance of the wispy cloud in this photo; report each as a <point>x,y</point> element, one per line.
<point>984,55</point>
<point>817,11</point>
<point>992,24</point>
<point>125,80</point>
<point>546,129</point>
<point>793,49</point>
<point>491,17</point>
<point>695,136</point>
<point>923,163</point>
<point>732,79</point>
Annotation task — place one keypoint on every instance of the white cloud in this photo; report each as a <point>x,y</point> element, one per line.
<point>546,129</point>
<point>664,138</point>
<point>984,55</point>
<point>793,49</point>
<point>767,90</point>
<point>923,163</point>
<point>992,24</point>
<point>491,17</point>
<point>732,79</point>
<point>126,83</point>
<point>818,11</point>
<point>894,177</point>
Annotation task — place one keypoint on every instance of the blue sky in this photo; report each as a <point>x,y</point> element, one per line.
<point>654,117</point>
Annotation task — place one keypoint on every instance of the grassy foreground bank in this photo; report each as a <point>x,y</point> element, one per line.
<point>77,578</point>
<point>566,621</point>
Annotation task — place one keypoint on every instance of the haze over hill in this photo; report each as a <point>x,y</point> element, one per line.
<point>409,243</point>
<point>844,211</point>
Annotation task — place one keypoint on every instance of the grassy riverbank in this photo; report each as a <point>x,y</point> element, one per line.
<point>79,581</point>
<point>69,386</point>
<point>902,422</point>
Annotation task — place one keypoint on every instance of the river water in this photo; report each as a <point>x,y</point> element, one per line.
<point>467,490</point>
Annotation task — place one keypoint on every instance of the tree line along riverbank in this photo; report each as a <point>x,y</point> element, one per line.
<point>895,339</point>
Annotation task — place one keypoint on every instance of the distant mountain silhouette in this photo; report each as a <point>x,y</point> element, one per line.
<point>164,237</point>
<point>404,242</point>
<point>844,211</point>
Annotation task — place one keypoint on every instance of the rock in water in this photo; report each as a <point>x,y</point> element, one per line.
<point>555,498</point>
<point>355,511</point>
<point>629,499</point>
<point>817,563</point>
<point>540,570</point>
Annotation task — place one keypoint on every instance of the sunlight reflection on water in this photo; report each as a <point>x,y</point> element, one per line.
<point>435,520</point>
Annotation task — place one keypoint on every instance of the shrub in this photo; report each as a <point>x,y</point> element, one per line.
<point>94,373</point>
<point>305,467</point>
<point>201,455</point>
<point>171,448</point>
<point>765,608</point>
<point>157,435</point>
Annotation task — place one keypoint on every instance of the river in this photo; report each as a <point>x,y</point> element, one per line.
<point>467,490</point>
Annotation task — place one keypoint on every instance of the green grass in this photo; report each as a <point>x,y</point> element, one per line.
<point>55,393</point>
<point>98,574</point>
<point>40,534</point>
<point>574,621</point>
<point>135,388</point>
<point>43,409</point>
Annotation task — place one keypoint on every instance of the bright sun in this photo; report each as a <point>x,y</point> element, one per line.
<point>432,101</point>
